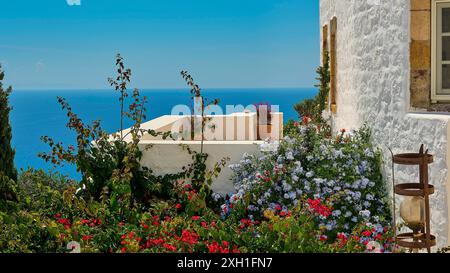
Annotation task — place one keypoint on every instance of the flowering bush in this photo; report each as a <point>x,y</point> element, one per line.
<point>310,192</point>
<point>339,176</point>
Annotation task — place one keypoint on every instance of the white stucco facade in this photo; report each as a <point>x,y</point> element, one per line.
<point>373,87</point>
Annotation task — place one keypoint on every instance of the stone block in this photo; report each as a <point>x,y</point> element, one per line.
<point>420,88</point>
<point>421,25</point>
<point>420,55</point>
<point>420,4</point>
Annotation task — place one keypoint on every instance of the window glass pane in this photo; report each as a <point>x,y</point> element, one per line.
<point>446,48</point>
<point>446,76</point>
<point>446,20</point>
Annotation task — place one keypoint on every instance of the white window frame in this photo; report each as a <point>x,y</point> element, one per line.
<point>436,51</point>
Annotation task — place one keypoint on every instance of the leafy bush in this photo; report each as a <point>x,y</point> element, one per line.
<point>310,192</point>
<point>340,177</point>
<point>313,108</point>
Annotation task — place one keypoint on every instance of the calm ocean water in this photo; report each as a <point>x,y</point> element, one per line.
<point>37,113</point>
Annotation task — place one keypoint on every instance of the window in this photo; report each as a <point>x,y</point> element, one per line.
<point>440,51</point>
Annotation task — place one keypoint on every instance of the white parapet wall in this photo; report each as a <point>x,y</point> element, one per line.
<point>226,137</point>
<point>168,157</point>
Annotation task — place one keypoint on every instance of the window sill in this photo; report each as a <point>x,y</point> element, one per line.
<point>442,116</point>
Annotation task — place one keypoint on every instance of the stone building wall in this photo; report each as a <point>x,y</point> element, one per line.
<point>373,87</point>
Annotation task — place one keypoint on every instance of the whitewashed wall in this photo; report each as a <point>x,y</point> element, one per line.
<point>168,157</point>
<point>373,88</point>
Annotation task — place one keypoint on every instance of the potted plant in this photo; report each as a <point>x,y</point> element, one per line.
<point>264,120</point>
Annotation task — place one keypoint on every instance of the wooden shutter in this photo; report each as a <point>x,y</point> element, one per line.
<point>333,65</point>
<point>324,50</point>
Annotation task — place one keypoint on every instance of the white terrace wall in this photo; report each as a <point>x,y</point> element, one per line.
<point>373,87</point>
<point>166,157</point>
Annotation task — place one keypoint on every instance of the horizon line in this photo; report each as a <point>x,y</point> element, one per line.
<point>155,88</point>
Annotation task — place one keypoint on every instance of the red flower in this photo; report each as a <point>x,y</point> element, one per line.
<point>189,237</point>
<point>323,238</point>
<point>58,215</point>
<point>87,237</point>
<point>195,218</point>
<point>367,233</point>
<point>305,120</point>
<point>236,250</point>
<point>204,224</point>
<point>213,248</point>
<point>178,206</point>
<point>170,247</point>
<point>317,207</point>
<point>225,244</point>
<point>154,242</point>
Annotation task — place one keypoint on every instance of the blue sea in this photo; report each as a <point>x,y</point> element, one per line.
<point>36,113</point>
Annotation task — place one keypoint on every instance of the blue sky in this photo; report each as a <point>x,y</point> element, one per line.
<point>47,44</point>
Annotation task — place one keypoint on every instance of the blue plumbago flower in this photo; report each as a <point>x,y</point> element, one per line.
<point>369,197</point>
<point>286,186</point>
<point>338,154</point>
<point>216,196</point>
<point>292,195</point>
<point>336,213</point>
<point>368,153</point>
<point>289,156</point>
<point>365,182</point>
<point>329,171</point>
<point>365,213</point>
<point>331,225</point>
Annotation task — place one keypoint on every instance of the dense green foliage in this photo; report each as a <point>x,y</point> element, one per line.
<point>313,108</point>
<point>8,173</point>
<point>310,192</point>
